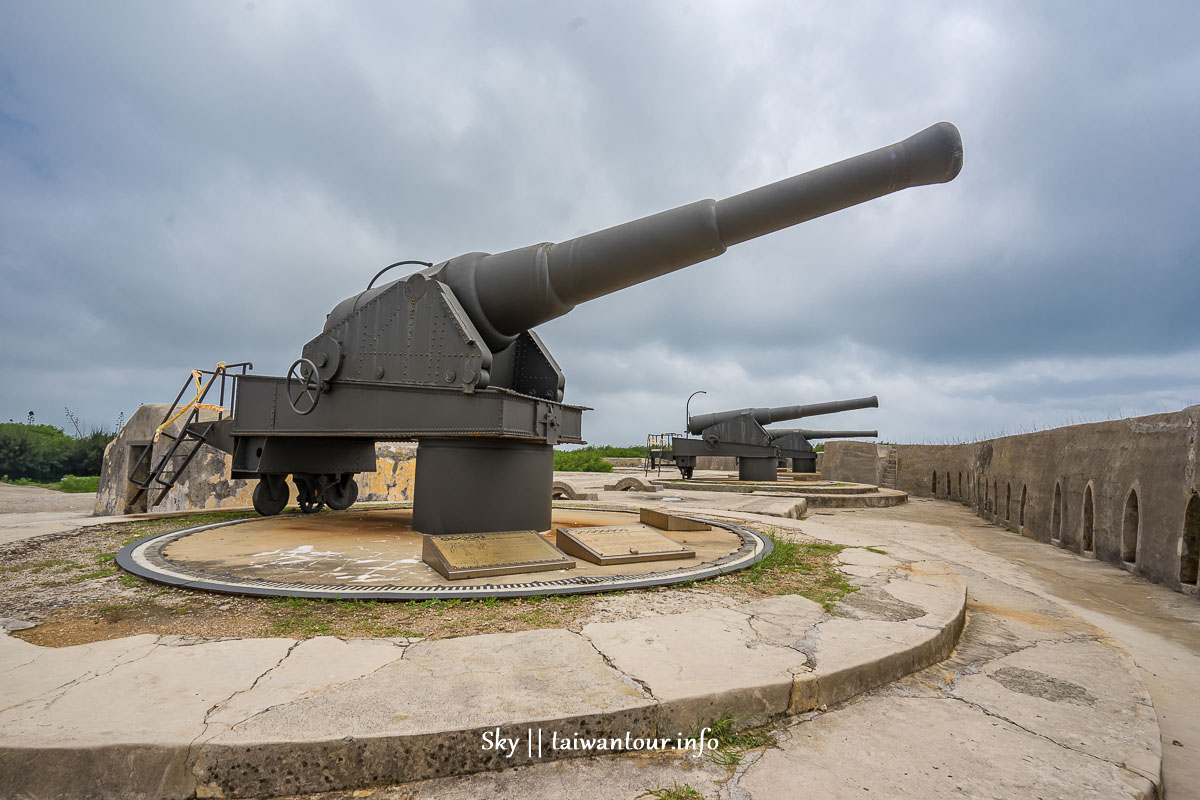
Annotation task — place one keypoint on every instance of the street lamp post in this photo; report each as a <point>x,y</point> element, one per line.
<point>687,416</point>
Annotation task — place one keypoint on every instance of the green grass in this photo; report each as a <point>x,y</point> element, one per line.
<point>301,616</point>
<point>69,484</point>
<point>103,572</point>
<point>876,550</point>
<point>676,792</point>
<point>803,568</point>
<point>733,744</point>
<point>74,484</point>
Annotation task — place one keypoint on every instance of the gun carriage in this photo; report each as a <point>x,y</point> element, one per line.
<point>743,434</point>
<point>447,355</point>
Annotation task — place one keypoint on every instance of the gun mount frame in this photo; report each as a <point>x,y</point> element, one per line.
<point>759,451</point>
<point>447,356</point>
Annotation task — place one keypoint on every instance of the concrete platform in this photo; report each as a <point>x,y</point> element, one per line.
<point>880,498</point>
<point>376,555</point>
<point>828,494</point>
<point>162,717</point>
<point>1033,701</point>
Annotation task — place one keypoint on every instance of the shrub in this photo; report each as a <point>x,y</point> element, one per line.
<point>580,461</point>
<point>612,451</point>
<point>74,484</point>
<point>44,453</point>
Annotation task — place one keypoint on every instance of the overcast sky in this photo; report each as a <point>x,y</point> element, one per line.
<point>183,183</point>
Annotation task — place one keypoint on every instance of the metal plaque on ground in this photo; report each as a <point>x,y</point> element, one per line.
<point>669,522</point>
<point>622,544</point>
<point>479,555</point>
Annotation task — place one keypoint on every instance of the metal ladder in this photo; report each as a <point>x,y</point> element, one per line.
<point>656,442</point>
<point>194,433</point>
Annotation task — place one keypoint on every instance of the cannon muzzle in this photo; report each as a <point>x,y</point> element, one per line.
<point>779,433</point>
<point>765,416</point>
<point>510,292</point>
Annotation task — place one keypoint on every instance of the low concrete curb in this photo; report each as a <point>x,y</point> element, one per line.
<point>880,499</point>
<point>164,717</point>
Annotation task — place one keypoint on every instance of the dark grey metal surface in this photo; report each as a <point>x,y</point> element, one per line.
<point>765,416</point>
<point>398,412</point>
<point>510,292</point>
<point>740,433</point>
<point>758,469</point>
<point>778,433</point>
<point>448,353</point>
<point>482,485</point>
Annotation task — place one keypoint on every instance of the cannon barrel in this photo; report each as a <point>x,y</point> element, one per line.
<point>765,416</point>
<point>513,291</point>
<point>779,433</point>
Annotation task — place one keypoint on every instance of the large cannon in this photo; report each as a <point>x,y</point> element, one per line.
<point>446,356</point>
<point>742,434</point>
<point>765,416</point>
<point>796,444</point>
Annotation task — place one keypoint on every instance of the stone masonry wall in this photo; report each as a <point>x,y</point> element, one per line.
<point>1124,491</point>
<point>844,458</point>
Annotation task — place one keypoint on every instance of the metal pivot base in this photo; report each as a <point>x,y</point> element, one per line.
<point>758,469</point>
<point>482,486</point>
<point>805,464</point>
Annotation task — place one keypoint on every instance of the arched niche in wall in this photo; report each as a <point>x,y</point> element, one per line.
<point>1087,539</point>
<point>1024,498</point>
<point>1130,526</point>
<point>1189,546</point>
<point>1056,515</point>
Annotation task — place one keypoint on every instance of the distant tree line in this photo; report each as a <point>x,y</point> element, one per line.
<point>45,453</point>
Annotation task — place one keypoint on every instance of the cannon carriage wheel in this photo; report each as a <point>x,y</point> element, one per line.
<point>314,492</point>
<point>342,493</point>
<point>270,495</point>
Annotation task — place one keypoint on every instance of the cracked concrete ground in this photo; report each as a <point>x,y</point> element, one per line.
<point>1035,701</point>
<point>236,717</point>
<point>33,511</point>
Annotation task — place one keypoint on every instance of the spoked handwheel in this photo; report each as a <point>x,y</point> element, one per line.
<point>271,495</point>
<point>303,386</point>
<point>342,493</point>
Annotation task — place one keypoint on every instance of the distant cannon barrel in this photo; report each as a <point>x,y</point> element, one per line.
<point>510,292</point>
<point>779,433</point>
<point>765,416</point>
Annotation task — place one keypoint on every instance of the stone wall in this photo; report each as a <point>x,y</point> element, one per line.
<point>1124,491</point>
<point>206,484</point>
<point>842,459</point>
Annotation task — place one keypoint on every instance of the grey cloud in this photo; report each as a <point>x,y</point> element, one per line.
<point>195,182</point>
